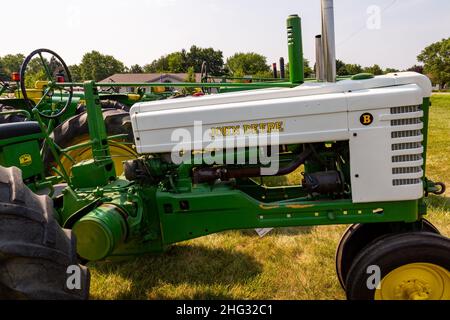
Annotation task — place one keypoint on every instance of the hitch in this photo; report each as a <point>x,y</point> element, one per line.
<point>437,188</point>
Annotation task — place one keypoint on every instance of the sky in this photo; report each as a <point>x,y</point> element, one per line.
<point>390,33</point>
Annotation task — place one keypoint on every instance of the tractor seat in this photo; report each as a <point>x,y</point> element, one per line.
<point>18,129</point>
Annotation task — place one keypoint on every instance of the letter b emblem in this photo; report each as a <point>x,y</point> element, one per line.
<point>366,119</point>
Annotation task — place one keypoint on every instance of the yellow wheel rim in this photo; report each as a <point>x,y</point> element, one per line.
<point>119,152</point>
<point>415,281</point>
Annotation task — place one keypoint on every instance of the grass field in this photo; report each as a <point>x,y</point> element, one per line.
<point>289,263</point>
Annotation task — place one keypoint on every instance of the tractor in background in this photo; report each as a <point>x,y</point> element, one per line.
<point>64,111</point>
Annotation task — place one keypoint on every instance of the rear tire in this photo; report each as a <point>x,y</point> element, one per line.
<point>35,252</point>
<point>105,104</point>
<point>10,118</point>
<point>414,265</point>
<point>76,130</point>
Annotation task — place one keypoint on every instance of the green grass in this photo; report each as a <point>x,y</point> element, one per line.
<point>289,263</point>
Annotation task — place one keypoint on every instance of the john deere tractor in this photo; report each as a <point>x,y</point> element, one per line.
<point>360,145</point>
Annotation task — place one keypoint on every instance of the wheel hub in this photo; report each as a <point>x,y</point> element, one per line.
<point>413,290</point>
<point>415,281</point>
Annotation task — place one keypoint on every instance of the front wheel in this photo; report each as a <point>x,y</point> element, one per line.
<point>410,266</point>
<point>358,236</point>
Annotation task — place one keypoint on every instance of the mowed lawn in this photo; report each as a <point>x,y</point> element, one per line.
<point>289,263</point>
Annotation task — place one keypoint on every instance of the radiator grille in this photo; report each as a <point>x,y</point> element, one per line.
<point>406,146</point>
<point>406,109</point>
<point>407,158</point>
<point>401,125</point>
<point>406,134</point>
<point>406,170</point>
<point>404,182</point>
<point>405,122</point>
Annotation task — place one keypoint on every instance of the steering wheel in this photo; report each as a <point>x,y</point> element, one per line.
<point>54,70</point>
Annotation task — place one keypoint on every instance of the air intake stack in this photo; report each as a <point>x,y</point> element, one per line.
<point>295,49</point>
<point>320,65</point>
<point>328,40</point>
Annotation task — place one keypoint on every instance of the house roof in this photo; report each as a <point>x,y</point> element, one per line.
<point>150,77</point>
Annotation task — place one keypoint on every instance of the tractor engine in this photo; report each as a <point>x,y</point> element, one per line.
<point>360,137</point>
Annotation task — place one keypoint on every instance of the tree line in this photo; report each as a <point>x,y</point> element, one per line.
<point>97,66</point>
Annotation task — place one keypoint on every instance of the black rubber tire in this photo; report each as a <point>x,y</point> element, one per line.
<point>10,118</point>
<point>357,237</point>
<point>35,251</point>
<point>106,104</point>
<point>64,135</point>
<point>392,252</point>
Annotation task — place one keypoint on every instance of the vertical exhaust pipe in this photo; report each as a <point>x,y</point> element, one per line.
<point>282,71</point>
<point>320,65</point>
<point>295,49</point>
<point>328,40</point>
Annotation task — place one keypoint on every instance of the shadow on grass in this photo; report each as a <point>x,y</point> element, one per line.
<point>182,264</point>
<point>438,202</point>
<point>288,231</point>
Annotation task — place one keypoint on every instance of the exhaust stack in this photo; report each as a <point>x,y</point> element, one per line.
<point>320,65</point>
<point>328,40</point>
<point>282,71</point>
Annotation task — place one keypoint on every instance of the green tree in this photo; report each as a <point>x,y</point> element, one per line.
<point>390,70</point>
<point>344,69</point>
<point>436,59</point>
<point>341,69</point>
<point>75,72</point>
<point>11,63</point>
<point>135,68</point>
<point>35,71</point>
<point>264,75</point>
<point>247,63</point>
<point>352,69</point>
<point>190,77</point>
<point>97,66</point>
<point>32,78</point>
<point>157,65</point>
<point>416,68</point>
<point>375,70</point>
<point>214,59</point>
<point>180,61</point>
<point>176,62</point>
<point>309,72</point>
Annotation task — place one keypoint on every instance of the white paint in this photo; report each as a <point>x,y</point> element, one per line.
<point>312,112</point>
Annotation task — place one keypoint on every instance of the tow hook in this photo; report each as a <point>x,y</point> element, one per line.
<point>437,188</point>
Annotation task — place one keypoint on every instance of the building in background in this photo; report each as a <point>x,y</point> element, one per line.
<point>147,78</point>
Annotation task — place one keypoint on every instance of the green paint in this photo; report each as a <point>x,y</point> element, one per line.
<point>100,232</point>
<point>23,154</point>
<point>100,170</point>
<point>295,49</point>
<point>426,118</point>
